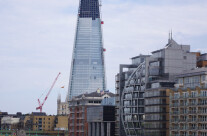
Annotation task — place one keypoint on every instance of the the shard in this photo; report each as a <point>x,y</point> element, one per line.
<point>87,67</point>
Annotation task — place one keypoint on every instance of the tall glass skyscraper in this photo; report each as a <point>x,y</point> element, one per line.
<point>87,67</point>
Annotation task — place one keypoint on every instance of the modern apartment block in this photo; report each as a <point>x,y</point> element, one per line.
<point>78,125</point>
<point>164,65</point>
<point>87,66</point>
<point>130,86</point>
<point>142,95</point>
<point>188,104</point>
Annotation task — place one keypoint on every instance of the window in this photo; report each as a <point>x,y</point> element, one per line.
<point>176,95</point>
<point>203,78</point>
<point>180,81</point>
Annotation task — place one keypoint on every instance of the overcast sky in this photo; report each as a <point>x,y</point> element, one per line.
<point>37,36</point>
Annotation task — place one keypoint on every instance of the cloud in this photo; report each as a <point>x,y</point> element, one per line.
<point>37,39</point>
<point>133,27</point>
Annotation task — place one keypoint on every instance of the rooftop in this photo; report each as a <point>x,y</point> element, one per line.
<point>97,93</point>
<point>194,72</point>
<point>140,56</point>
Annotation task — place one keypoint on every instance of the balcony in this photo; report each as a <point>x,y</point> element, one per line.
<point>177,135</point>
<point>194,96</point>
<point>184,112</point>
<point>184,96</point>
<point>183,128</point>
<point>193,128</point>
<point>183,120</point>
<point>202,104</point>
<point>183,104</point>
<point>174,128</point>
<point>202,96</point>
<point>202,128</point>
<point>174,120</point>
<point>193,104</point>
<point>174,97</point>
<point>174,104</point>
<point>192,120</point>
<point>175,112</point>
<point>202,120</point>
<point>192,112</point>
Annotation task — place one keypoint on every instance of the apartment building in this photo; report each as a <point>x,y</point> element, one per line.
<point>130,86</point>
<point>142,95</point>
<point>188,104</point>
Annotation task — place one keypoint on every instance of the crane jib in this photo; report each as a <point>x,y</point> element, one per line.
<point>41,104</point>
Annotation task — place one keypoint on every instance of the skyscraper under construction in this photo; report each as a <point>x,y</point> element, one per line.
<point>87,66</point>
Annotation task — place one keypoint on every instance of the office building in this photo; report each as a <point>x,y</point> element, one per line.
<point>87,66</point>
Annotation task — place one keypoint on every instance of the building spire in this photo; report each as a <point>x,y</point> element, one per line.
<point>169,36</point>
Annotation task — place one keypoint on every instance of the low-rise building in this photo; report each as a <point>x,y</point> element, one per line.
<point>61,123</point>
<point>9,123</point>
<point>41,122</point>
<point>2,114</point>
<point>35,123</point>
<point>188,104</point>
<point>78,124</point>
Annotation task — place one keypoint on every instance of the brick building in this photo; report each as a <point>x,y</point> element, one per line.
<point>78,125</point>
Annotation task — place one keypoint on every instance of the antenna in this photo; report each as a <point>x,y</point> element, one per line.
<point>169,35</point>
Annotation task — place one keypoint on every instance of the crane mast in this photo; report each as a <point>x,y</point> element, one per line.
<point>41,104</point>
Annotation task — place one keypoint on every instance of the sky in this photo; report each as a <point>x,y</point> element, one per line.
<point>37,36</point>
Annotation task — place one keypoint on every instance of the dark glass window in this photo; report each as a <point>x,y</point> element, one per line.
<point>89,8</point>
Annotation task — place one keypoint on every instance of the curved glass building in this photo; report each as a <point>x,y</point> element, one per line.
<point>87,67</point>
<point>132,100</point>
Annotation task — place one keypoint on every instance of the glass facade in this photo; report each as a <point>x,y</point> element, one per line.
<point>132,102</point>
<point>87,67</point>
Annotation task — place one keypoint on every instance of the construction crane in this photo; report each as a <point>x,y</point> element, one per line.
<point>41,104</point>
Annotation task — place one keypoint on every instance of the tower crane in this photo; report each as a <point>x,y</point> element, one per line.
<point>41,104</point>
